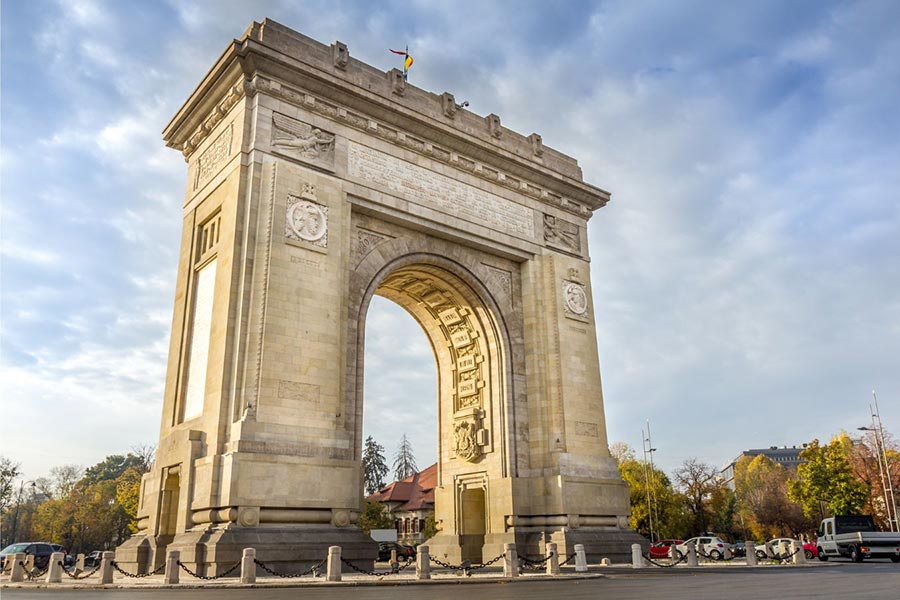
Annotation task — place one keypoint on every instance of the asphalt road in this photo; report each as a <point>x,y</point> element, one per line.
<point>875,580</point>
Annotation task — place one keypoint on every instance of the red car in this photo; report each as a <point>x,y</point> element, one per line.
<point>810,550</point>
<point>660,549</point>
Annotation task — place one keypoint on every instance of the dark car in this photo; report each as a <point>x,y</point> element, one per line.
<point>739,549</point>
<point>403,552</point>
<point>40,550</point>
<point>93,559</point>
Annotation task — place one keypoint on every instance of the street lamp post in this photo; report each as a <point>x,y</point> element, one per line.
<point>884,467</point>
<point>647,447</point>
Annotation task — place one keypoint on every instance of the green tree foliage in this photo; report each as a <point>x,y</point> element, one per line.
<point>827,477</point>
<point>404,460</point>
<point>374,466</point>
<point>374,517</point>
<point>669,507</point>
<point>112,467</point>
<point>128,495</point>
<point>431,527</point>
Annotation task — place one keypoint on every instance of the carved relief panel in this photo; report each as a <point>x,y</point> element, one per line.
<point>301,141</point>
<point>306,220</point>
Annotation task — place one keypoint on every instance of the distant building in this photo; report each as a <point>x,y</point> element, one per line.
<point>784,456</point>
<point>410,502</point>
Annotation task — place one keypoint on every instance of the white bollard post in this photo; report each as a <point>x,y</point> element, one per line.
<point>248,566</point>
<point>29,563</point>
<point>728,555</point>
<point>54,568</point>
<point>172,574</point>
<point>106,568</point>
<point>510,561</point>
<point>580,559</point>
<point>750,547</point>
<point>553,559</point>
<point>79,563</point>
<point>799,557</point>
<point>692,555</point>
<point>333,570</point>
<point>423,563</point>
<point>604,562</point>
<point>637,561</point>
<point>17,569</point>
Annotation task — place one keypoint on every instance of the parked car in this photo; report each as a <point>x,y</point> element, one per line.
<point>403,552</point>
<point>739,549</point>
<point>809,548</point>
<point>710,546</point>
<point>40,550</point>
<point>93,559</point>
<point>660,549</point>
<point>68,559</point>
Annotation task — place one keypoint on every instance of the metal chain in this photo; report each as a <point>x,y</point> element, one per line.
<point>32,574</point>
<point>467,568</point>
<point>313,569</point>
<point>84,575</point>
<point>665,565</point>
<point>225,573</point>
<point>363,571</point>
<point>156,571</point>
<point>781,558</point>
<point>568,560</point>
<point>540,562</point>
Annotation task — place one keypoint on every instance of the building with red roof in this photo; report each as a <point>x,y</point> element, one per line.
<point>410,502</point>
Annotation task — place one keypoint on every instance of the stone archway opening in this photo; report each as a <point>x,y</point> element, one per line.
<point>468,350</point>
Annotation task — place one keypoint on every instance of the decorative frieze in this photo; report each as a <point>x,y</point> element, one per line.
<point>424,186</point>
<point>214,157</point>
<point>416,144</point>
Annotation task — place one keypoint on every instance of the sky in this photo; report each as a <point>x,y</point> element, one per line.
<point>746,274</point>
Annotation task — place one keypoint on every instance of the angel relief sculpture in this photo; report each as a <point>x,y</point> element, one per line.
<point>295,138</point>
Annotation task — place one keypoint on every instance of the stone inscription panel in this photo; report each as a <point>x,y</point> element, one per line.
<point>448,195</point>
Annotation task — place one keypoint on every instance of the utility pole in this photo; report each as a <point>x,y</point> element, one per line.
<point>892,509</point>
<point>648,448</point>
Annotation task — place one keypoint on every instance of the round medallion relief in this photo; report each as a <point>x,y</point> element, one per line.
<point>308,221</point>
<point>576,298</point>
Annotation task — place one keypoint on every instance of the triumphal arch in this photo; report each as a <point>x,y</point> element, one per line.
<point>314,182</point>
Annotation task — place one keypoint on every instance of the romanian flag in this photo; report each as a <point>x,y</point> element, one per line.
<point>407,62</point>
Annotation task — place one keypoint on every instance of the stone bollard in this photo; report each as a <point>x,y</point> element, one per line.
<point>637,561</point>
<point>692,555</point>
<point>172,567</point>
<point>248,566</point>
<point>580,559</point>
<point>333,570</point>
<point>17,570</point>
<point>604,562</point>
<point>784,549</point>
<point>54,568</point>
<point>728,555</point>
<point>799,557</point>
<point>29,563</point>
<point>79,563</point>
<point>106,568</point>
<point>423,563</point>
<point>510,561</point>
<point>770,552</point>
<point>750,547</point>
<point>553,560</point>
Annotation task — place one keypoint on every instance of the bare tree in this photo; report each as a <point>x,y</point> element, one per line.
<point>9,471</point>
<point>697,481</point>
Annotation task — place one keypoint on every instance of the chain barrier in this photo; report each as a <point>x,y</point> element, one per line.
<point>315,570</point>
<point>466,566</point>
<point>568,560</point>
<point>665,565</point>
<point>84,575</point>
<point>225,573</point>
<point>713,558</point>
<point>116,566</point>
<point>783,557</point>
<point>35,573</point>
<point>535,565</point>
<point>393,571</point>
